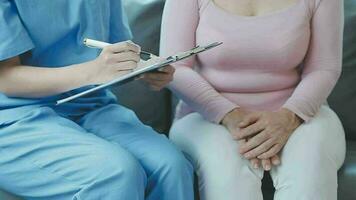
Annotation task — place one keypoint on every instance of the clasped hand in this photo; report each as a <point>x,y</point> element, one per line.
<point>261,135</point>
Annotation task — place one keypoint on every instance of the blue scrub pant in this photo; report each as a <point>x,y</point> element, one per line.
<point>106,154</point>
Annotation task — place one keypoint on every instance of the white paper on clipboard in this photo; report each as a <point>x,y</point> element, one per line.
<point>131,76</point>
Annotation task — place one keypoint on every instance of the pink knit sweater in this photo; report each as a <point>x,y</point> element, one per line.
<point>290,58</point>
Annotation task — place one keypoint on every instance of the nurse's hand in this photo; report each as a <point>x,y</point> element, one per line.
<point>114,61</point>
<point>158,80</point>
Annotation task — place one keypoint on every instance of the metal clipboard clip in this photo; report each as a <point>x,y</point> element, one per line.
<point>193,51</point>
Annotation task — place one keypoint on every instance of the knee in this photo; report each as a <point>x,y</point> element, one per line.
<point>110,173</point>
<point>315,187</point>
<point>175,164</point>
<point>199,138</point>
<point>128,169</point>
<point>315,172</point>
<point>181,130</point>
<point>118,166</point>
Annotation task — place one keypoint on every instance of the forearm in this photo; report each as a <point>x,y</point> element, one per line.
<point>189,85</point>
<point>200,95</point>
<point>36,82</point>
<point>323,62</point>
<point>311,93</point>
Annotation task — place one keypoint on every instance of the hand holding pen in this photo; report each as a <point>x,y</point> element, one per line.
<point>121,58</point>
<point>114,60</point>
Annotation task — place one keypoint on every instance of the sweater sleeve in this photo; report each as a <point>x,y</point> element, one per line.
<point>180,20</point>
<point>322,65</point>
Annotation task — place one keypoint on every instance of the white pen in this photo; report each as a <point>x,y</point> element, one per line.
<point>100,45</point>
<point>95,43</point>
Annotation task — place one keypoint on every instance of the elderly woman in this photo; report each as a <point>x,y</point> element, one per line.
<point>90,148</point>
<point>260,97</point>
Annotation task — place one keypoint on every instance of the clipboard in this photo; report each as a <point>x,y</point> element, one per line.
<point>134,74</point>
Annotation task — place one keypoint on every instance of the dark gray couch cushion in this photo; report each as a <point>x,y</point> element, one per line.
<point>347,174</point>
<point>343,98</point>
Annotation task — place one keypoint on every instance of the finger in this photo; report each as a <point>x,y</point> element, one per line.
<point>254,142</point>
<point>154,88</point>
<point>158,77</point>
<point>271,152</point>
<point>249,131</point>
<point>140,77</point>
<point>242,142</point>
<point>169,70</point>
<point>156,85</point>
<point>266,164</point>
<point>155,82</point>
<point>125,66</point>
<point>276,160</point>
<point>125,56</point>
<point>248,120</point>
<point>259,150</point>
<point>122,47</point>
<point>255,163</point>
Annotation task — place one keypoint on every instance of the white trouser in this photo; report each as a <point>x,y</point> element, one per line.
<point>310,160</point>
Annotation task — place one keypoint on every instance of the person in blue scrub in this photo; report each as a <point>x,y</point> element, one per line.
<point>90,148</point>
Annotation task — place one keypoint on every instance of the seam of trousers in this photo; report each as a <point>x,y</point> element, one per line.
<point>80,186</point>
<point>47,171</point>
<point>44,170</point>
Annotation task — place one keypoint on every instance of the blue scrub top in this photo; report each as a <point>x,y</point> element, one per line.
<point>50,34</point>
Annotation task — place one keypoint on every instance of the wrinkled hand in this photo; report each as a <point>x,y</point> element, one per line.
<point>265,163</point>
<point>267,131</point>
<point>231,121</point>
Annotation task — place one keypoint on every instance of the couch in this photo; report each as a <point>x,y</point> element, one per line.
<point>157,108</point>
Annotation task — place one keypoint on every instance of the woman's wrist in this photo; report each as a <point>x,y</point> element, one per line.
<point>294,118</point>
<point>233,116</point>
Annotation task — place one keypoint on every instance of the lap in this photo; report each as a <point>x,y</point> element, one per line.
<point>223,173</point>
<point>197,136</point>
<point>310,159</point>
<point>317,144</point>
<point>44,154</point>
<point>120,125</point>
<point>322,139</point>
<point>211,146</point>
